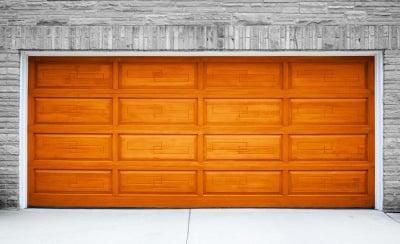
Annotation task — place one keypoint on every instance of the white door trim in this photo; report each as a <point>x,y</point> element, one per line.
<point>23,105</point>
<point>23,132</point>
<point>379,130</point>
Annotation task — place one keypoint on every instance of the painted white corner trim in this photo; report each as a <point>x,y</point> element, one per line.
<point>23,105</point>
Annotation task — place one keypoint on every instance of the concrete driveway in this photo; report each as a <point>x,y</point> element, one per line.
<point>136,226</point>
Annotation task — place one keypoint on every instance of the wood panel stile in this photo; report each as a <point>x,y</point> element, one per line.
<point>285,136</point>
<point>115,167</point>
<point>200,124</point>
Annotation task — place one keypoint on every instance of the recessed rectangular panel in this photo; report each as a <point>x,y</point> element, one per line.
<point>244,75</point>
<point>327,75</point>
<point>328,182</point>
<point>328,111</point>
<point>242,182</point>
<point>157,111</point>
<point>153,75</point>
<point>243,111</point>
<point>157,147</point>
<point>157,182</point>
<point>74,75</point>
<point>328,147</point>
<point>73,110</point>
<point>250,147</point>
<point>73,181</point>
<point>73,146</point>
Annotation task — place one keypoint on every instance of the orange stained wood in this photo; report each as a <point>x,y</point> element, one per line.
<point>201,132</point>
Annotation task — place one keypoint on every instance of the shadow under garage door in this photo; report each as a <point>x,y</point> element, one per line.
<point>201,132</point>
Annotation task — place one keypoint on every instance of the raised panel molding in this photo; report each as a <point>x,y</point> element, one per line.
<point>329,111</point>
<point>73,110</point>
<point>157,111</point>
<point>243,111</point>
<point>242,182</point>
<point>328,147</point>
<point>328,182</point>
<point>153,75</point>
<point>153,147</point>
<point>74,75</point>
<point>328,75</point>
<point>73,181</point>
<point>157,182</point>
<point>244,75</point>
<point>246,147</point>
<point>73,147</point>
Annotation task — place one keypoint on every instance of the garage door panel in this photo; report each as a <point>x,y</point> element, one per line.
<point>328,147</point>
<point>201,132</point>
<point>73,181</point>
<point>157,182</point>
<point>328,75</point>
<point>243,111</point>
<point>243,182</point>
<point>74,75</point>
<point>243,147</point>
<point>244,75</point>
<point>157,111</point>
<point>328,182</point>
<point>73,110</point>
<point>73,146</point>
<point>154,75</point>
<point>157,147</point>
<point>329,111</point>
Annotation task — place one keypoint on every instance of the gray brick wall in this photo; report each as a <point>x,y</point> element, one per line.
<point>199,12</point>
<point>197,25</point>
<point>391,121</point>
<point>9,103</point>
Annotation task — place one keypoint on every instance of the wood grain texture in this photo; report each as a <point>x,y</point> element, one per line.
<point>242,75</point>
<point>250,147</point>
<point>328,75</point>
<point>328,182</point>
<point>157,111</point>
<point>329,111</point>
<point>73,111</point>
<point>153,75</point>
<point>201,132</point>
<point>328,147</point>
<point>239,182</point>
<point>69,146</point>
<point>157,147</point>
<point>157,182</point>
<point>243,111</point>
<point>73,75</point>
<point>73,181</point>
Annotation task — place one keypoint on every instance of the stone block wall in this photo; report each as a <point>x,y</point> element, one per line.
<point>185,25</point>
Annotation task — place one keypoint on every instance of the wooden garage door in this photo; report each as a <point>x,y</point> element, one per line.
<point>201,132</point>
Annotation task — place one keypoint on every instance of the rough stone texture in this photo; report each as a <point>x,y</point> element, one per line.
<point>9,102</point>
<point>200,12</point>
<point>391,122</point>
<point>197,25</point>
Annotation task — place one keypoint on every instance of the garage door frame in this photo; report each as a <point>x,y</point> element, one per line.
<point>23,109</point>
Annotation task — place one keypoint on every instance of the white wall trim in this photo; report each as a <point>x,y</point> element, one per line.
<point>23,132</point>
<point>379,130</point>
<point>198,53</point>
<point>23,113</point>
